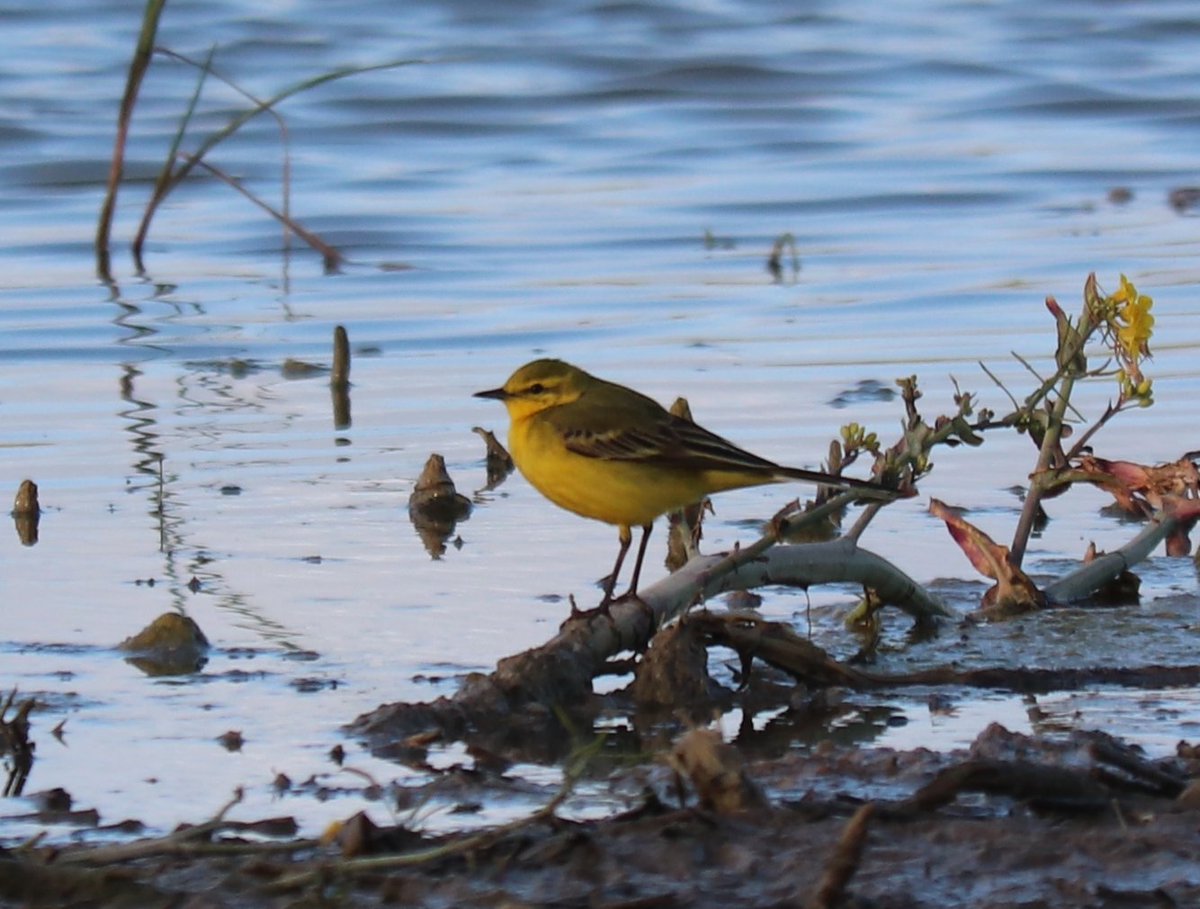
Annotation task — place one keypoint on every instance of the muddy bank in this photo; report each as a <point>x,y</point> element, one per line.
<point>1016,821</point>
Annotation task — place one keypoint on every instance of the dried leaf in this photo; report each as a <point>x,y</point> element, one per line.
<point>1137,488</point>
<point>1013,592</point>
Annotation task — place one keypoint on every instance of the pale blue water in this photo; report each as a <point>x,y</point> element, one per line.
<point>547,174</point>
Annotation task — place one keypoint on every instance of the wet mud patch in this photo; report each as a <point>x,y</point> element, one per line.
<point>1011,822</point>
<point>796,805</point>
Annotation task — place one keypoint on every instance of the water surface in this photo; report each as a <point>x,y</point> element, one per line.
<point>600,182</point>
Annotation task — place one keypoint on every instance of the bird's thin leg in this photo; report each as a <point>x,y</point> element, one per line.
<point>637,566</point>
<point>626,537</point>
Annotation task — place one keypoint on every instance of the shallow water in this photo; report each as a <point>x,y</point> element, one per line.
<point>601,182</point>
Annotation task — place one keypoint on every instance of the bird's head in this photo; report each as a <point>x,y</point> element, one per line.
<point>540,385</point>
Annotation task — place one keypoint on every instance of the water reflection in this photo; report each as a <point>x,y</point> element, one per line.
<point>436,506</point>
<point>187,564</point>
<point>600,183</point>
<point>27,513</point>
<point>340,400</point>
<point>15,743</point>
<point>498,461</point>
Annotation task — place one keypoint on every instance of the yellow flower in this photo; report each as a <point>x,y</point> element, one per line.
<point>1132,320</point>
<point>1125,292</point>
<point>1136,325</point>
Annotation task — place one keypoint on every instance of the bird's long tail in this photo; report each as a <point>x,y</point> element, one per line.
<point>874,490</point>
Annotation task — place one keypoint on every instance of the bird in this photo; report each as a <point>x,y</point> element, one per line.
<point>612,454</point>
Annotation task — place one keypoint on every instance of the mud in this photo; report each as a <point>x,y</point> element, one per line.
<point>1013,822</point>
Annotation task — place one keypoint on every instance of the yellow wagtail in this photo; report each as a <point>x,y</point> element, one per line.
<point>610,453</point>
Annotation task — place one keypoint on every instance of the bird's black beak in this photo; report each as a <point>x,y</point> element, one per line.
<point>498,394</point>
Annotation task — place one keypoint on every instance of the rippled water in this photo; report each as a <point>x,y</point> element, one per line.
<point>598,181</point>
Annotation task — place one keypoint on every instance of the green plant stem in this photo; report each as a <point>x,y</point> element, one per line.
<point>1086,436</point>
<point>164,181</point>
<point>1071,348</point>
<point>1033,497</point>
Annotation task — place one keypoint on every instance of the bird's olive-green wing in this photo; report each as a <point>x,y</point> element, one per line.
<point>639,429</point>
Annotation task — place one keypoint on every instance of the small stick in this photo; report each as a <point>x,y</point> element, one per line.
<point>124,852</point>
<point>390,862</point>
<point>831,891</point>
<point>341,358</point>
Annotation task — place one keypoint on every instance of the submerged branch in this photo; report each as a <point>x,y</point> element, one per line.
<point>1085,580</point>
<point>558,674</point>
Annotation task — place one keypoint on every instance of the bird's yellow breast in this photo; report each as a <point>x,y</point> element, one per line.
<point>627,493</point>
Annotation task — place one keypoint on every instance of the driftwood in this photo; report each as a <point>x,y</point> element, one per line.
<point>1092,575</point>
<point>530,687</point>
<point>533,700</point>
<point>1086,772</point>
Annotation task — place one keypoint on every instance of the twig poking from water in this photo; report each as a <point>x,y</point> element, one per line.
<point>163,185</point>
<point>14,741</point>
<point>341,358</point>
<point>783,243</point>
<point>831,891</point>
<point>27,512</point>
<point>26,500</point>
<point>499,461</point>
<point>339,381</point>
<point>162,182</point>
<point>189,161</point>
<point>137,70</point>
<point>332,257</point>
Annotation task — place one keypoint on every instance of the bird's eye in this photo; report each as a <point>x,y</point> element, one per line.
<point>536,388</point>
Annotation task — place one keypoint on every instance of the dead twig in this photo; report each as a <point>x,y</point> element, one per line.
<point>844,862</point>
<point>173,843</point>
<point>374,863</point>
<point>137,70</point>
<point>332,257</point>
<point>14,740</point>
